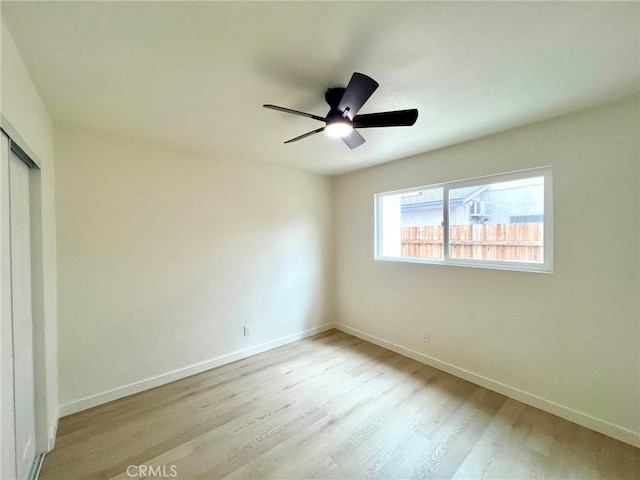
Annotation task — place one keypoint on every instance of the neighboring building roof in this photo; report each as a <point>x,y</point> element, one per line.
<point>432,197</point>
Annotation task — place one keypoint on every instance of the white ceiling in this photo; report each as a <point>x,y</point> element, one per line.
<point>194,75</point>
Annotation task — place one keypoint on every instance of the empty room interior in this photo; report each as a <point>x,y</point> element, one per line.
<point>333,240</point>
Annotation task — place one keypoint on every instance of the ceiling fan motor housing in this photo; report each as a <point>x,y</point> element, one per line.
<point>333,96</point>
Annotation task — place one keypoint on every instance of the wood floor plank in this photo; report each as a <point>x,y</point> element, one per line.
<point>347,414</point>
<point>330,406</point>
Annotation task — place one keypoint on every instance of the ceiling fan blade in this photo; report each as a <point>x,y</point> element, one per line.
<point>308,134</point>
<point>353,140</point>
<point>398,118</point>
<point>360,88</point>
<point>295,112</point>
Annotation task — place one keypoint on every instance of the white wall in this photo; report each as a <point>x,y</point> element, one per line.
<point>165,255</point>
<point>25,118</point>
<point>567,342</point>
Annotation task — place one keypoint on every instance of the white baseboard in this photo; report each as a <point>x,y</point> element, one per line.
<point>583,419</point>
<point>137,387</point>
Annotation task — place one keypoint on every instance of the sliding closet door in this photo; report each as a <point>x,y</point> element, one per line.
<point>16,336</point>
<point>7,421</point>
<point>22,320</point>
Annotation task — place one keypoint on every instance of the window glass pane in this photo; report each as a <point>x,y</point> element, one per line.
<point>500,221</point>
<point>390,231</point>
<point>418,223</point>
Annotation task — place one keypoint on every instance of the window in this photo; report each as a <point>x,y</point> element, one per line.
<point>501,221</point>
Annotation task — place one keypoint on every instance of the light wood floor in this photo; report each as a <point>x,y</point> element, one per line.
<point>331,406</point>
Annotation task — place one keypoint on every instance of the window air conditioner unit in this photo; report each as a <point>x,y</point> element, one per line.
<point>479,209</point>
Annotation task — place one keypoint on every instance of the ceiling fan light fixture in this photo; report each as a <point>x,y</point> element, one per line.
<point>338,129</point>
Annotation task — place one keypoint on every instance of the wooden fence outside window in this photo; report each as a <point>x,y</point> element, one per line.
<point>500,241</point>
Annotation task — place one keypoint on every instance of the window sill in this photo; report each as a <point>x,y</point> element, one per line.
<point>511,266</point>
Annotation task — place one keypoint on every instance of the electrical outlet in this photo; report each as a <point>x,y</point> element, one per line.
<point>425,336</point>
<point>247,330</point>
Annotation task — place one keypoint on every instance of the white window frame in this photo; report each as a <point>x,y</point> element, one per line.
<point>545,267</point>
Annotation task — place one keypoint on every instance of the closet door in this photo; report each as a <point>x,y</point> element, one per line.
<point>22,321</point>
<point>17,397</point>
<point>7,420</point>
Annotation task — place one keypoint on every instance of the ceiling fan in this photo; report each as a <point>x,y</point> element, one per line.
<point>342,119</point>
